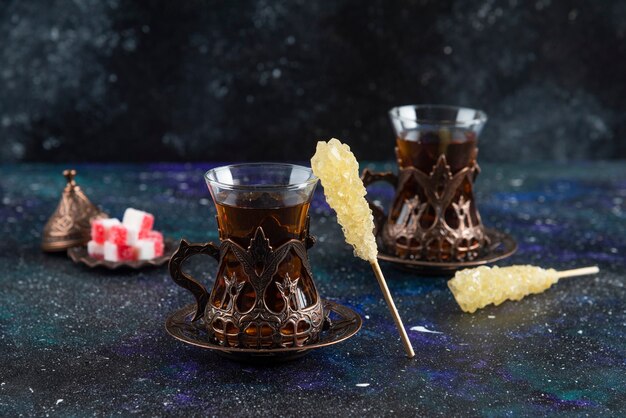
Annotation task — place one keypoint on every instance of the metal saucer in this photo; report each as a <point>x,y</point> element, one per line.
<point>81,256</point>
<point>502,246</point>
<point>343,324</point>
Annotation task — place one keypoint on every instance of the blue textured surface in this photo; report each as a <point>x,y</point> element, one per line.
<point>75,341</point>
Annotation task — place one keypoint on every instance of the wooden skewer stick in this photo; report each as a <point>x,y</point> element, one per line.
<point>578,272</point>
<point>392,308</point>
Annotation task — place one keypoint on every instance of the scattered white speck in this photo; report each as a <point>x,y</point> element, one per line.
<point>420,328</point>
<point>580,331</point>
<point>59,401</point>
<point>447,49</point>
<point>367,317</point>
<point>54,34</point>
<point>18,149</point>
<point>362,385</point>
<point>50,143</point>
<point>204,201</point>
<point>517,182</point>
<point>491,316</point>
<point>31,390</point>
<point>129,44</point>
<point>276,73</point>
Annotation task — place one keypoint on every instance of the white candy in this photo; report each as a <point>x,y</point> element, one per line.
<point>110,251</point>
<point>145,249</point>
<point>109,222</point>
<point>132,236</point>
<point>137,219</point>
<point>95,250</point>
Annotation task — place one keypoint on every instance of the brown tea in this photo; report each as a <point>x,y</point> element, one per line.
<point>422,151</point>
<point>280,224</point>
<point>239,222</point>
<point>263,295</point>
<point>433,216</point>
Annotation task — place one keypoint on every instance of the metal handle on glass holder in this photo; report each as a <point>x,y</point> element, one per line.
<point>184,251</point>
<point>369,177</point>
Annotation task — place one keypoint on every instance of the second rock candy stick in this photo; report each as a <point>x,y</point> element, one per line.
<point>338,170</point>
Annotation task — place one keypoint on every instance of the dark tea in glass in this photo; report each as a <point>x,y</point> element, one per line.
<point>263,295</point>
<point>433,216</point>
<point>280,225</point>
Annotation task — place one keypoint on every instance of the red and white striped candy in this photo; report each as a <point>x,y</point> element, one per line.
<point>122,235</point>
<point>148,249</point>
<point>100,229</point>
<point>95,250</point>
<point>138,220</point>
<point>114,252</point>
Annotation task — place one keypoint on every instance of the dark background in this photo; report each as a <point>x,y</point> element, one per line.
<point>92,80</point>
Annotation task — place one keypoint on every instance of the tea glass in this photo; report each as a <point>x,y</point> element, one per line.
<point>433,216</point>
<point>263,295</point>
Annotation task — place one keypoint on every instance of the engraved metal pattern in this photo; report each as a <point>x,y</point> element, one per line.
<point>405,237</point>
<point>501,246</point>
<point>184,251</point>
<point>340,324</point>
<point>439,241</point>
<point>70,224</point>
<point>293,326</point>
<point>260,263</point>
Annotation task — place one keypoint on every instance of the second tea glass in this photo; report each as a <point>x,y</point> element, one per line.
<point>433,216</point>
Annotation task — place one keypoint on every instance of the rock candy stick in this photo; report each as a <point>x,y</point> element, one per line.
<point>338,170</point>
<point>478,287</point>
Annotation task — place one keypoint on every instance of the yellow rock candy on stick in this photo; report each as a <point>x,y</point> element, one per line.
<point>338,170</point>
<point>478,287</point>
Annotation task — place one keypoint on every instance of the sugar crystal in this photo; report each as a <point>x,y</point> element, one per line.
<point>476,288</point>
<point>338,171</point>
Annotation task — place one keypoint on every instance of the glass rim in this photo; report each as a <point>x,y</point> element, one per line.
<point>311,180</point>
<point>480,116</point>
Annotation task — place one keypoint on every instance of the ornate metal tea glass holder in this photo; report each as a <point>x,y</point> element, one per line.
<point>264,303</point>
<point>433,224</point>
<point>439,228</point>
<point>261,326</point>
<point>449,235</point>
<point>340,324</point>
